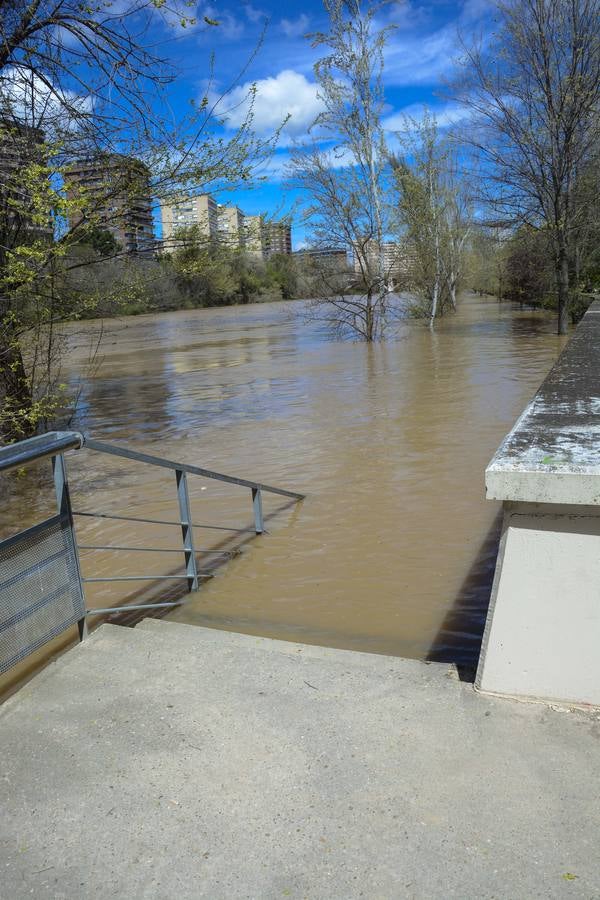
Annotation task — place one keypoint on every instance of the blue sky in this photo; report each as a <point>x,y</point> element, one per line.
<point>419,55</point>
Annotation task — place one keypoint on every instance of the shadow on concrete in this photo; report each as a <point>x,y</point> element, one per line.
<point>459,639</point>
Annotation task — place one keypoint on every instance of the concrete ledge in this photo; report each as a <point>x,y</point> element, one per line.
<point>543,627</point>
<point>552,455</point>
<point>195,636</point>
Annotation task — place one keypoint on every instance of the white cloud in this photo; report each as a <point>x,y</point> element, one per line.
<point>34,102</point>
<point>295,27</point>
<point>419,59</point>
<point>254,15</point>
<point>415,55</point>
<point>288,93</point>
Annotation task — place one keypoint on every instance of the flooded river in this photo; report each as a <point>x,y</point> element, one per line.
<point>393,549</point>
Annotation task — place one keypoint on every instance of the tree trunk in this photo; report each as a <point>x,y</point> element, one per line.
<point>15,393</point>
<point>452,288</point>
<point>434,303</point>
<point>369,320</point>
<point>562,284</point>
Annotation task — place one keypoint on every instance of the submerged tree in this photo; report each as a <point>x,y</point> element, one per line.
<point>534,97</point>
<point>433,214</point>
<point>344,174</point>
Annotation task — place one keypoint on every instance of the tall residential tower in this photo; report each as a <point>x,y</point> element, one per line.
<point>114,192</point>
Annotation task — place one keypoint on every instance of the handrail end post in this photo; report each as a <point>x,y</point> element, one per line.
<point>82,629</point>
<point>259,524</point>
<point>187,534</point>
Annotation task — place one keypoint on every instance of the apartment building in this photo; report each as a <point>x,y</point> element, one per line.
<point>226,224</point>
<point>277,238</point>
<point>115,194</point>
<point>264,237</point>
<point>332,254</point>
<point>184,212</point>
<point>254,230</point>
<point>394,258</point>
<point>20,147</point>
<point>231,227</point>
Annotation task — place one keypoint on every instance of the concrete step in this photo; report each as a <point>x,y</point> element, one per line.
<point>189,635</point>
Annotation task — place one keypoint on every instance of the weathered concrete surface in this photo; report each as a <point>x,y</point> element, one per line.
<point>542,634</point>
<point>172,761</point>
<point>552,455</point>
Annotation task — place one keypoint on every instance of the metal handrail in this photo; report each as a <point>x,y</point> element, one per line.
<point>91,515</point>
<point>54,444</point>
<point>154,549</point>
<point>103,447</point>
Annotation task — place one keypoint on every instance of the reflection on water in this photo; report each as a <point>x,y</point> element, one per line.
<point>393,549</point>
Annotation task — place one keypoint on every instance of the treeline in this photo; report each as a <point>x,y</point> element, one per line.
<point>519,264</point>
<point>522,159</point>
<point>194,274</point>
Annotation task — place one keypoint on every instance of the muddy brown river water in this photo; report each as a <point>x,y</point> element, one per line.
<point>394,547</point>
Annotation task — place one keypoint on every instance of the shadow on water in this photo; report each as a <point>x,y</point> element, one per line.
<point>158,591</point>
<point>459,639</point>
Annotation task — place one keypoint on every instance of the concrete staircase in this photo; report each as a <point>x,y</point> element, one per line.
<point>170,760</point>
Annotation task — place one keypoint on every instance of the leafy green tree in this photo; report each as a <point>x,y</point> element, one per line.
<point>533,92</point>
<point>85,81</point>
<point>281,271</point>
<point>102,241</point>
<point>529,273</point>
<point>434,216</point>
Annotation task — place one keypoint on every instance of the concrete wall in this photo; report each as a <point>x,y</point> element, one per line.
<point>542,636</point>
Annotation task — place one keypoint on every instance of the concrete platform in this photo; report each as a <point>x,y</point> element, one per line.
<point>174,761</point>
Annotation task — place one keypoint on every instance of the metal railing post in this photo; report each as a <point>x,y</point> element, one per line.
<point>259,525</point>
<point>187,530</point>
<point>63,501</point>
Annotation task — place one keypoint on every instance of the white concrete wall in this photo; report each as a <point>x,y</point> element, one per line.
<point>542,638</point>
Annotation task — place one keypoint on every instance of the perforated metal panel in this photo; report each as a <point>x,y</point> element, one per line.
<point>40,590</point>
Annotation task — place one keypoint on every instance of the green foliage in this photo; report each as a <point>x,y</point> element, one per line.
<point>281,273</point>
<point>433,214</point>
<point>102,241</point>
<point>212,274</point>
<point>95,95</point>
<point>529,269</point>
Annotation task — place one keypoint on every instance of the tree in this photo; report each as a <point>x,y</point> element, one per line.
<point>345,179</point>
<point>83,81</point>
<point>213,272</point>
<point>487,261</point>
<point>433,214</point>
<point>281,273</point>
<point>534,94</point>
<point>529,274</point>
<point>101,240</point>
<point>585,252</point>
